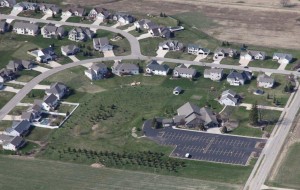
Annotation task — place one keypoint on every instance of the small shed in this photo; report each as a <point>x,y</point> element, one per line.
<point>177,90</point>
<point>167,122</point>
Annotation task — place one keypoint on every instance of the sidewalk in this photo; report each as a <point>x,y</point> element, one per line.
<point>40,69</point>
<point>249,106</point>
<point>73,58</point>
<point>144,36</point>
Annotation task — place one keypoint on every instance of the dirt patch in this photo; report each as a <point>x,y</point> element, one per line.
<point>97,165</point>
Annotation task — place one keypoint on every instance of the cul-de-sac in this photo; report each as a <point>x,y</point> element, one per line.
<point>149,94</point>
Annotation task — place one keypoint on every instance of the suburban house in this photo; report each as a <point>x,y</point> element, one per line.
<point>7,3</point>
<point>265,81</point>
<point>163,32</point>
<point>99,13</point>
<point>192,116</point>
<point>140,23</point>
<point>20,128</point>
<point>123,18</point>
<point>177,90</point>
<point>43,55</point>
<point>121,69</point>
<point>236,79</point>
<point>283,58</point>
<point>170,45</point>
<point>197,50</point>
<point>33,113</point>
<point>3,26</point>
<point>6,75</point>
<point>26,28</point>
<point>69,50</point>
<point>23,6</point>
<point>58,89</point>
<point>17,65</point>
<point>13,143</point>
<point>80,34</point>
<point>102,44</point>
<point>229,98</point>
<point>225,52</point>
<point>96,71</point>
<point>50,102</point>
<point>50,9</point>
<point>213,74</point>
<point>50,31</point>
<point>184,72</point>
<point>157,69</point>
<point>253,55</point>
<point>74,11</point>
<point>150,25</point>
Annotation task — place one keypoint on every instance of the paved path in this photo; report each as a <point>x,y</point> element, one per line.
<point>24,104</point>
<point>249,106</point>
<point>17,82</point>
<point>40,69</point>
<point>12,117</point>
<point>109,53</point>
<point>116,25</point>
<point>46,16</point>
<point>218,60</point>
<point>282,66</point>
<point>161,53</point>
<point>64,18</point>
<point>13,13</point>
<point>200,57</point>
<point>244,62</point>
<point>54,64</point>
<point>144,36</point>
<point>10,89</point>
<point>41,87</point>
<point>264,187</point>
<point>73,58</point>
<point>129,29</point>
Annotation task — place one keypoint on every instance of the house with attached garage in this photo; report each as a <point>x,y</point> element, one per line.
<point>99,13</point>
<point>214,74</point>
<point>236,78</point>
<point>123,18</point>
<point>52,31</point>
<point>17,65</point>
<point>225,52</point>
<point>7,3</point>
<point>170,45</point>
<point>157,69</point>
<point>6,75</point>
<point>163,32</point>
<point>229,98</point>
<point>50,9</point>
<point>33,113</point>
<point>43,55</point>
<point>141,23</point>
<point>265,81</point>
<point>121,69</point>
<point>50,102</point>
<point>102,44</point>
<point>19,128</point>
<point>80,34</point>
<point>26,28</point>
<point>96,71</point>
<point>253,55</point>
<point>197,50</point>
<point>69,50</point>
<point>58,89</point>
<point>13,143</point>
<point>3,26</point>
<point>283,58</point>
<point>24,6</point>
<point>193,116</point>
<point>73,11</point>
<point>184,72</point>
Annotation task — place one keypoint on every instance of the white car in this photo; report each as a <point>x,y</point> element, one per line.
<point>187,155</point>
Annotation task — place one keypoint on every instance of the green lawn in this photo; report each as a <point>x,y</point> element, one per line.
<point>164,21</point>
<point>136,33</point>
<point>289,172</point>
<point>5,124</point>
<point>149,46</point>
<point>5,97</point>
<point>5,10</point>
<point>31,14</point>
<point>27,75</point>
<point>75,176</point>
<point>264,64</point>
<point>18,110</point>
<point>180,55</point>
<point>75,19</point>
<point>39,134</point>
<point>230,61</point>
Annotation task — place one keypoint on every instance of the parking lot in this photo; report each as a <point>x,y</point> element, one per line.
<point>205,146</point>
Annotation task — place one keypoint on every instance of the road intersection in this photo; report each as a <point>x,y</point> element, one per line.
<point>274,144</point>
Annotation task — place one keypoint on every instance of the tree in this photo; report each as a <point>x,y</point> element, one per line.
<point>268,96</point>
<point>253,116</point>
<point>53,15</point>
<point>161,14</point>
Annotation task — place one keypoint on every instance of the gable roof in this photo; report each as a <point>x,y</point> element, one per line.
<point>187,109</point>
<point>50,99</point>
<point>20,127</point>
<point>213,70</point>
<point>26,25</point>
<point>98,66</point>
<point>184,70</point>
<point>56,88</point>
<point>154,65</point>
<point>101,41</point>
<point>69,48</point>
<point>265,79</point>
<point>230,92</point>
<point>125,66</point>
<point>283,56</point>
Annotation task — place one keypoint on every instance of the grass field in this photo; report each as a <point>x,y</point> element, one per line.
<point>75,176</point>
<point>18,110</point>
<point>31,14</point>
<point>75,19</point>
<point>289,172</point>
<point>5,97</point>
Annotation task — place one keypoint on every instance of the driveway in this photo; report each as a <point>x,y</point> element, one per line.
<point>97,22</point>
<point>13,13</point>
<point>17,82</point>
<point>116,25</point>
<point>54,64</point>
<point>144,36</point>
<point>40,69</point>
<point>12,117</point>
<point>249,106</point>
<point>87,65</point>
<point>109,53</point>
<point>282,66</point>
<point>200,57</point>
<point>64,18</point>
<point>129,29</point>
<point>41,87</point>
<point>46,16</point>
<point>161,53</point>
<point>10,89</point>
<point>244,62</point>
<point>218,60</point>
<point>73,58</point>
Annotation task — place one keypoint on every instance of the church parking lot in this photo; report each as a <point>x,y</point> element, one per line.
<point>205,146</point>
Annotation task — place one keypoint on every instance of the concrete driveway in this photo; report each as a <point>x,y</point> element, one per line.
<point>73,58</point>
<point>41,87</point>
<point>200,57</point>
<point>12,117</point>
<point>13,13</point>
<point>144,36</point>
<point>87,65</point>
<point>40,69</point>
<point>116,25</point>
<point>129,29</point>
<point>64,18</point>
<point>46,16</point>
<point>10,89</point>
<point>218,60</point>
<point>97,22</point>
<point>109,53</point>
<point>54,64</point>
<point>244,62</point>
<point>249,106</point>
<point>282,66</point>
<point>17,82</point>
<point>161,53</point>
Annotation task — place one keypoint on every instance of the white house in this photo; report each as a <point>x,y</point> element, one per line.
<point>20,128</point>
<point>50,9</point>
<point>184,72</point>
<point>99,13</point>
<point>197,50</point>
<point>157,69</point>
<point>229,98</point>
<point>102,44</point>
<point>236,79</point>
<point>96,71</point>
<point>69,50</point>
<point>26,28</point>
<point>58,89</point>
<point>121,69</point>
<point>224,52</point>
<point>73,11</point>
<point>265,81</point>
<point>43,55</point>
<point>50,31</point>
<point>170,45</point>
<point>50,102</point>
<point>253,55</point>
<point>283,58</point>
<point>14,143</point>
<point>123,18</point>
<point>213,74</point>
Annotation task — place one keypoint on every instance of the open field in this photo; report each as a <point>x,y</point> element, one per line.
<point>5,97</point>
<point>75,176</point>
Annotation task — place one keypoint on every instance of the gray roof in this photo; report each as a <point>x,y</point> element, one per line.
<point>51,28</point>
<point>3,24</point>
<point>98,66</point>
<point>229,91</point>
<point>26,25</point>
<point>213,70</point>
<point>143,21</point>
<point>20,127</point>
<point>125,66</point>
<point>26,115</point>
<point>187,109</point>
<point>171,42</point>
<point>208,116</point>
<point>225,50</point>
<point>69,48</point>
<point>50,99</point>
<point>101,41</point>
<point>167,121</point>
<point>283,56</point>
<point>16,141</point>
<point>178,89</point>
<point>188,71</point>
<point>245,75</point>
<point>254,53</point>
<point>153,65</point>
<point>5,138</point>
<point>265,79</point>
<point>194,46</point>
<point>80,10</point>
<point>56,88</point>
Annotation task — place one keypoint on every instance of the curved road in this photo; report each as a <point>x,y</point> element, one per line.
<point>268,157</point>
